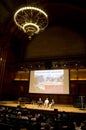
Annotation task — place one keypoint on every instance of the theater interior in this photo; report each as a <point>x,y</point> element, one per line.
<point>59,45</point>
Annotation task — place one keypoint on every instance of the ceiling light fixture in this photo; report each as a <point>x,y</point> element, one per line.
<point>31,20</point>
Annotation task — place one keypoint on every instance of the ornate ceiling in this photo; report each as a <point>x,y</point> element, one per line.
<point>63,38</point>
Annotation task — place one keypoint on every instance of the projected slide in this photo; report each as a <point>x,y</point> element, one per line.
<point>49,81</point>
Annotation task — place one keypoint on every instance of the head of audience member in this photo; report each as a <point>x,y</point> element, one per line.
<point>83,125</point>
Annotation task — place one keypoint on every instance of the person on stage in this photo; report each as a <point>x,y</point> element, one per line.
<point>46,102</point>
<point>51,103</point>
<point>39,102</point>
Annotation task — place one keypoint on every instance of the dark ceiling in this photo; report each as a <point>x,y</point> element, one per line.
<point>69,15</point>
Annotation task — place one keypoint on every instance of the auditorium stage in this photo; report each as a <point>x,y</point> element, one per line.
<point>59,107</point>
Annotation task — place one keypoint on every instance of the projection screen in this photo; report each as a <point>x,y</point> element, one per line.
<point>49,81</point>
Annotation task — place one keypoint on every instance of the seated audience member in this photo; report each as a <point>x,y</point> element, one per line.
<point>77,125</point>
<point>39,102</point>
<point>51,103</point>
<point>46,102</point>
<point>47,126</point>
<point>83,125</point>
<point>19,115</point>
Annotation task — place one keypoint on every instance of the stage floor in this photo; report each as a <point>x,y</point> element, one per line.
<point>59,107</point>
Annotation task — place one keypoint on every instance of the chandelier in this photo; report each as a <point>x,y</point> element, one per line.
<point>31,20</point>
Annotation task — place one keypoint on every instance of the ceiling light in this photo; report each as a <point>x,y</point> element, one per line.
<point>31,20</point>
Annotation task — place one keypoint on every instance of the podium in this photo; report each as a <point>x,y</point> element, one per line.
<point>82,104</point>
<point>79,102</point>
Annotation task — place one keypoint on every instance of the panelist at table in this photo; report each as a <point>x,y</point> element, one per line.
<point>52,103</point>
<point>46,102</point>
<point>39,102</point>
